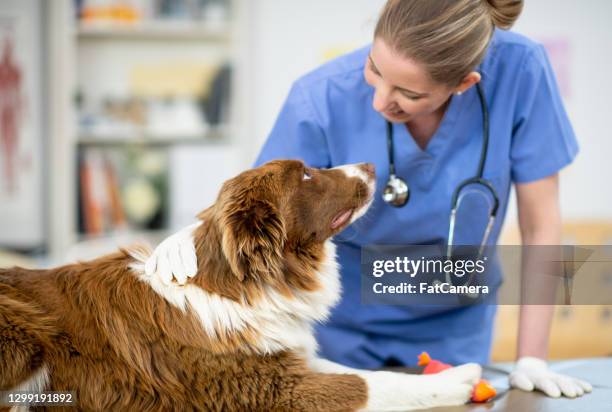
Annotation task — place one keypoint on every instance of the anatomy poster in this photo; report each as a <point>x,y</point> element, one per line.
<point>21,191</point>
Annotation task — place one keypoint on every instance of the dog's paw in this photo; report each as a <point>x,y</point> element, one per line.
<point>469,373</point>
<point>453,394</point>
<point>389,391</point>
<point>453,386</point>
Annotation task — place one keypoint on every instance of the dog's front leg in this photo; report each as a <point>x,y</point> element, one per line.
<point>393,391</point>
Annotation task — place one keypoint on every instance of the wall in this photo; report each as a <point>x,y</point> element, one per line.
<point>290,37</point>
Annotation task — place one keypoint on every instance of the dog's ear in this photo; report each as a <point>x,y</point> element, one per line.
<point>253,237</point>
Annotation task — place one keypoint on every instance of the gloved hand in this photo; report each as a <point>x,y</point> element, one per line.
<point>533,373</point>
<point>174,257</point>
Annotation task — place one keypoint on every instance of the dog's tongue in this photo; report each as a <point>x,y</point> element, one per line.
<point>341,218</point>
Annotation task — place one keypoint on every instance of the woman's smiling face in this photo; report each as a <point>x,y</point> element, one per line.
<point>403,90</point>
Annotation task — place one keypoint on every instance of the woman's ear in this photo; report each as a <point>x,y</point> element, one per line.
<point>468,81</point>
<point>253,237</point>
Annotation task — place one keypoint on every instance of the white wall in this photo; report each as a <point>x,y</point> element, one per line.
<point>289,37</point>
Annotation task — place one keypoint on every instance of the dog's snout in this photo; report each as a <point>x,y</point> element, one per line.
<point>369,169</point>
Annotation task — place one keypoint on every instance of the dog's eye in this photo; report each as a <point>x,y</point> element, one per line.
<point>307,176</point>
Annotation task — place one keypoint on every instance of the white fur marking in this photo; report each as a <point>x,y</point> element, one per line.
<point>356,171</point>
<point>36,383</point>
<point>353,171</point>
<point>284,323</point>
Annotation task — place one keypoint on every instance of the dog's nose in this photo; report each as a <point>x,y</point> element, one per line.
<point>369,169</point>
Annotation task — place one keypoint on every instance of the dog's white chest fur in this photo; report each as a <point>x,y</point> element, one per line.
<point>282,323</point>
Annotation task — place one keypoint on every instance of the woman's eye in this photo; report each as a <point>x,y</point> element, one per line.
<point>413,98</point>
<point>307,176</point>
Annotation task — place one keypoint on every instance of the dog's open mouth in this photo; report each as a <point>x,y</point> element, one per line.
<point>342,218</point>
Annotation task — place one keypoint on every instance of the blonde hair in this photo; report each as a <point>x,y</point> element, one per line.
<point>448,37</point>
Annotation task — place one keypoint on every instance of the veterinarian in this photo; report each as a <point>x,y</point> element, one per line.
<point>420,75</point>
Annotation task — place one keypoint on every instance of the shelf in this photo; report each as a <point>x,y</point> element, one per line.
<point>154,30</point>
<point>212,138</point>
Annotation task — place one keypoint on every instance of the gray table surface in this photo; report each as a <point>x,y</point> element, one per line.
<point>597,371</point>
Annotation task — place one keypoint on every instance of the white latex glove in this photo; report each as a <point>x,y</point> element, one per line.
<point>174,258</point>
<point>533,373</point>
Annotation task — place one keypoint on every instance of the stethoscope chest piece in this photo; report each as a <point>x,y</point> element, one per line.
<point>396,192</point>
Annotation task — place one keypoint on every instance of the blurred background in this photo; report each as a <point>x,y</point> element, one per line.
<point>120,119</point>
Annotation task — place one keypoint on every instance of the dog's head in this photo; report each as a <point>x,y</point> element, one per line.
<point>285,208</point>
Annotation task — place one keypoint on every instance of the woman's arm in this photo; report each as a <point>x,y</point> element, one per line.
<point>540,224</point>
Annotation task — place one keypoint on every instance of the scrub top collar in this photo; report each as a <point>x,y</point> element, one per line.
<point>409,156</point>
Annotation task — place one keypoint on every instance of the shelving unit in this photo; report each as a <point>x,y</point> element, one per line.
<point>77,53</point>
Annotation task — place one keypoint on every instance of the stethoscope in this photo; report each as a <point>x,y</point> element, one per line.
<point>397,193</point>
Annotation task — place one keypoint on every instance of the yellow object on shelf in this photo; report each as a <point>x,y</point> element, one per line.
<point>123,13</point>
<point>187,79</point>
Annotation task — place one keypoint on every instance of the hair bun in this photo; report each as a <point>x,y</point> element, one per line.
<point>504,12</point>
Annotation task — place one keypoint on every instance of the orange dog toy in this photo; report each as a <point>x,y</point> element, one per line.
<point>483,391</point>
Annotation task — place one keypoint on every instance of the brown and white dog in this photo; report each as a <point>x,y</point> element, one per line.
<point>237,337</point>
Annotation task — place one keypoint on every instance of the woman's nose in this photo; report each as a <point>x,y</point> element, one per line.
<point>382,99</point>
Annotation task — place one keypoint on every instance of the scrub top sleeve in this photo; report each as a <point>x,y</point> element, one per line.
<point>543,141</point>
<point>296,133</point>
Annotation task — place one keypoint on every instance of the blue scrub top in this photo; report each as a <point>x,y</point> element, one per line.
<point>328,120</point>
